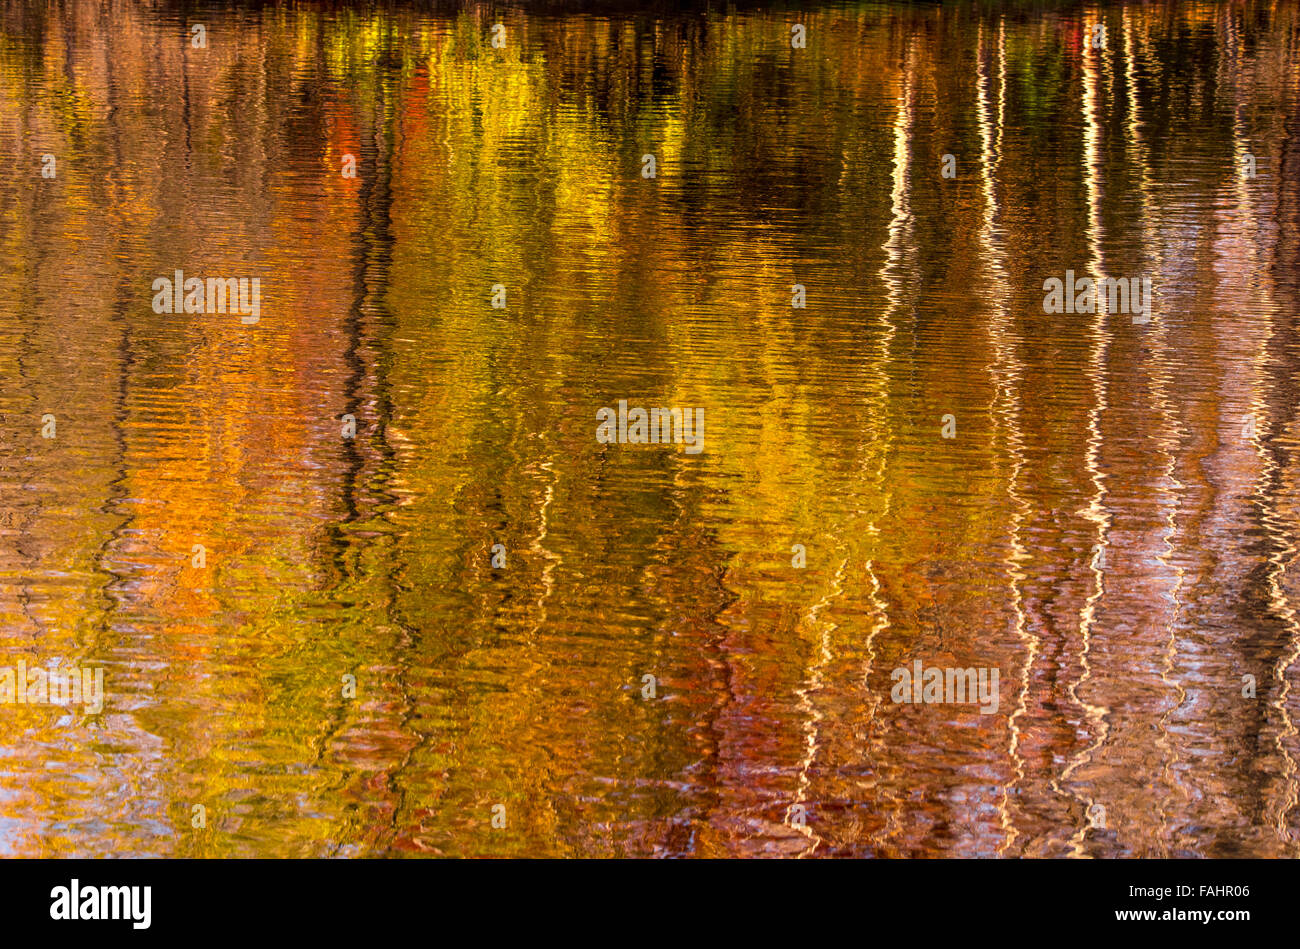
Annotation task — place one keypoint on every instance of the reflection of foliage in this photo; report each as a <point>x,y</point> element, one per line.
<point>520,166</point>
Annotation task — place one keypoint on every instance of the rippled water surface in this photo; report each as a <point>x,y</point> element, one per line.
<point>1112,526</point>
